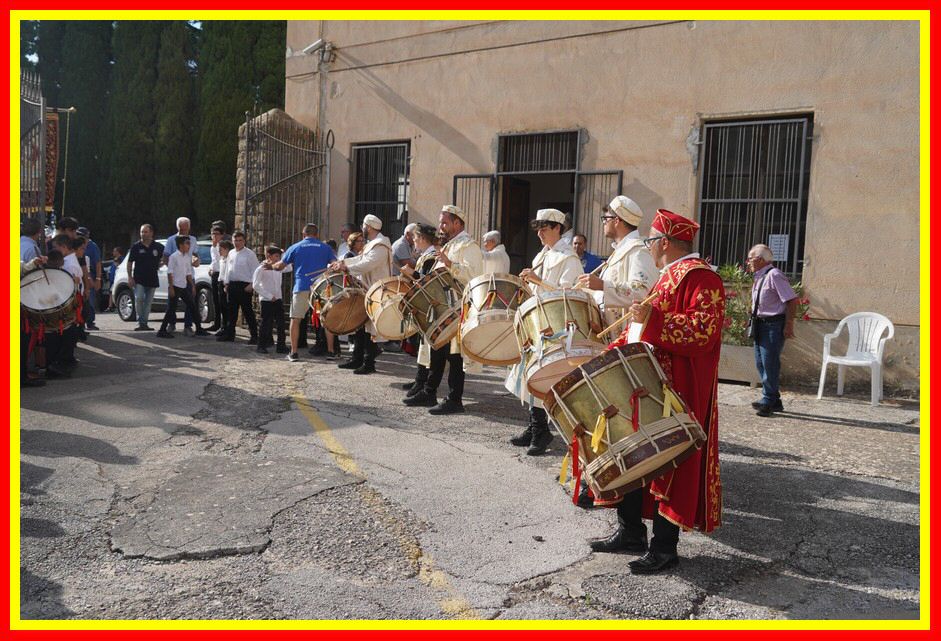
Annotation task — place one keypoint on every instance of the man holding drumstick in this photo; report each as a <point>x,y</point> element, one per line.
<point>683,322</point>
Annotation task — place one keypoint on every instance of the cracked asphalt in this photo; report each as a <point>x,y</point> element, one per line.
<point>182,479</point>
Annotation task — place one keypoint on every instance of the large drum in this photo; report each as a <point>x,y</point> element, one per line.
<point>556,332</point>
<point>490,304</point>
<point>629,425</point>
<point>340,300</point>
<point>383,306</point>
<point>434,305</point>
<point>48,298</point>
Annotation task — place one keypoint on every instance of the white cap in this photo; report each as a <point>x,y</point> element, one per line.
<point>550,216</point>
<point>372,221</point>
<point>454,210</point>
<point>627,210</point>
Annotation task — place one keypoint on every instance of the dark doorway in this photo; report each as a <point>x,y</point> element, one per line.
<point>520,197</point>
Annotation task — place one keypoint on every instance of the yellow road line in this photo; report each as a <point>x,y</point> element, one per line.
<point>453,604</point>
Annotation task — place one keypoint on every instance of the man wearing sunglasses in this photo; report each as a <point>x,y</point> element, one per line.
<point>683,322</point>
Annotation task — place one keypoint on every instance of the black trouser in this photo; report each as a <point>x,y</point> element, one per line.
<point>538,418</point>
<point>272,313</point>
<point>439,358</point>
<point>219,304</point>
<point>239,298</point>
<point>60,348</point>
<point>665,534</point>
<point>364,349</point>
<point>186,295</point>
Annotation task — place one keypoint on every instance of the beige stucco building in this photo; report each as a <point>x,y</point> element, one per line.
<point>801,134</point>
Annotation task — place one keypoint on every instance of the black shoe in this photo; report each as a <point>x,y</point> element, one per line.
<point>764,411</point>
<point>92,327</point>
<point>524,438</point>
<point>332,356</point>
<point>413,390</point>
<point>253,340</point>
<point>282,349</point>
<point>422,399</point>
<point>620,541</point>
<point>31,382</point>
<point>163,334</point>
<point>55,372</point>
<point>775,407</point>
<point>365,368</point>
<point>225,338</point>
<point>585,500</point>
<point>293,357</point>
<point>654,562</point>
<point>143,328</point>
<point>447,406</point>
<point>71,361</point>
<point>541,440</point>
<point>202,332</point>
<point>408,387</point>
<point>350,364</point>
<point>220,332</point>
<point>261,350</point>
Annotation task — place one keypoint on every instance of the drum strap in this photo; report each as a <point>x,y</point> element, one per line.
<point>576,468</point>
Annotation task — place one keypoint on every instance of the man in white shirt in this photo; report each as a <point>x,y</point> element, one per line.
<point>496,260</point>
<point>345,232</point>
<point>183,229</point>
<point>240,269</point>
<point>215,267</point>
<point>181,285</point>
<point>267,283</point>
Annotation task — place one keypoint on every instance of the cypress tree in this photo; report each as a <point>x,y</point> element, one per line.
<point>29,34</point>
<point>84,83</point>
<point>49,49</point>
<point>135,44</point>
<point>175,126</point>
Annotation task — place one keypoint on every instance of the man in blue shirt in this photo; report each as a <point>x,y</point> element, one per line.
<point>30,233</point>
<point>93,254</point>
<point>590,262</point>
<point>309,259</point>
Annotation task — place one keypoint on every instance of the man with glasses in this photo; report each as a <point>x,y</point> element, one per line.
<point>775,304</point>
<point>683,323</point>
<point>626,276</point>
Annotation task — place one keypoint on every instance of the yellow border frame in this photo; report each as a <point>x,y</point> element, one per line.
<point>923,17</point>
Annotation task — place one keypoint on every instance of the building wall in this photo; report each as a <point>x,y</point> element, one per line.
<point>641,91</point>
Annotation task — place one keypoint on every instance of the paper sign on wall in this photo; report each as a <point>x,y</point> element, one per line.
<point>778,244</point>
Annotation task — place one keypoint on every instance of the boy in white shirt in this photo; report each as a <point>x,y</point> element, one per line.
<point>181,283</point>
<point>267,284</point>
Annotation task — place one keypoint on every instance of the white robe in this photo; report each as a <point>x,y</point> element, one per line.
<point>372,265</point>
<point>628,275</point>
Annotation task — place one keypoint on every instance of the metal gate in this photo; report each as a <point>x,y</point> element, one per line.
<point>286,176</point>
<point>32,147</point>
<point>474,193</point>
<point>753,189</point>
<point>594,190</point>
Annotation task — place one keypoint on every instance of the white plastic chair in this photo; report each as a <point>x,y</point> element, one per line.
<point>865,349</point>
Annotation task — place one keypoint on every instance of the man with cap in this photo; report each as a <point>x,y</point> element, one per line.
<point>496,260</point>
<point>370,266</point>
<point>462,257</point>
<point>556,265</point>
<point>683,323</point>
<point>626,277</point>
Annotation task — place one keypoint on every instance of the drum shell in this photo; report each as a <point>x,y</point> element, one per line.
<point>343,302</point>
<point>539,318</point>
<point>487,334</point>
<point>434,305</point>
<point>573,406</point>
<point>383,306</point>
<point>55,304</point>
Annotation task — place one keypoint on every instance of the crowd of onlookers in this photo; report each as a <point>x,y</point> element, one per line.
<point>236,275</point>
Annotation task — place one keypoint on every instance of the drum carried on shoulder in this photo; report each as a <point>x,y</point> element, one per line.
<point>340,300</point>
<point>433,304</point>
<point>48,298</point>
<point>625,423</point>
<point>490,304</point>
<point>384,308</point>
<point>556,332</point>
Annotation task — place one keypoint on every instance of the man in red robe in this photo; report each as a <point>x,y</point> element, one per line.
<point>683,322</point>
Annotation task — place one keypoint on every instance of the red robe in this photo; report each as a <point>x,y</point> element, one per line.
<point>685,328</point>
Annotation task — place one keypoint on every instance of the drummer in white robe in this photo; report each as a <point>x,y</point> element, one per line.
<point>555,266</point>
<point>462,257</point>
<point>373,264</point>
<point>627,276</point>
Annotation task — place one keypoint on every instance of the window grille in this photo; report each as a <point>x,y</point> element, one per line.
<point>380,179</point>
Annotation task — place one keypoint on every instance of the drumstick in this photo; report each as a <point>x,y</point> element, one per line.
<point>540,282</point>
<point>591,273</point>
<point>45,275</point>
<point>317,271</point>
<point>622,318</point>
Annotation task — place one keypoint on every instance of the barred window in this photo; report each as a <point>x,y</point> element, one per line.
<point>380,184</point>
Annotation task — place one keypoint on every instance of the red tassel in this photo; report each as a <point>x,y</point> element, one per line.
<point>576,470</point>
<point>635,406</point>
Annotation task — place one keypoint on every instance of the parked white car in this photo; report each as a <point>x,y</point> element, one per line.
<point>123,295</point>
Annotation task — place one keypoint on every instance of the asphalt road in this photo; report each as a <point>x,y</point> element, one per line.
<point>195,479</point>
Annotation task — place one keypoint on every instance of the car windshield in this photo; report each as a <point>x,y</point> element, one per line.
<point>204,256</point>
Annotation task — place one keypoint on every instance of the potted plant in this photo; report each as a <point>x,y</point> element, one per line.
<point>737,359</point>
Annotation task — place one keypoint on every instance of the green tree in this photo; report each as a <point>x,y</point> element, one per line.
<point>83,78</point>
<point>175,125</point>
<point>240,64</point>
<point>29,34</point>
<point>49,49</point>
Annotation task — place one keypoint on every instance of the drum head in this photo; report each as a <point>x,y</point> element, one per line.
<point>490,341</point>
<point>46,289</point>
<point>346,313</point>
